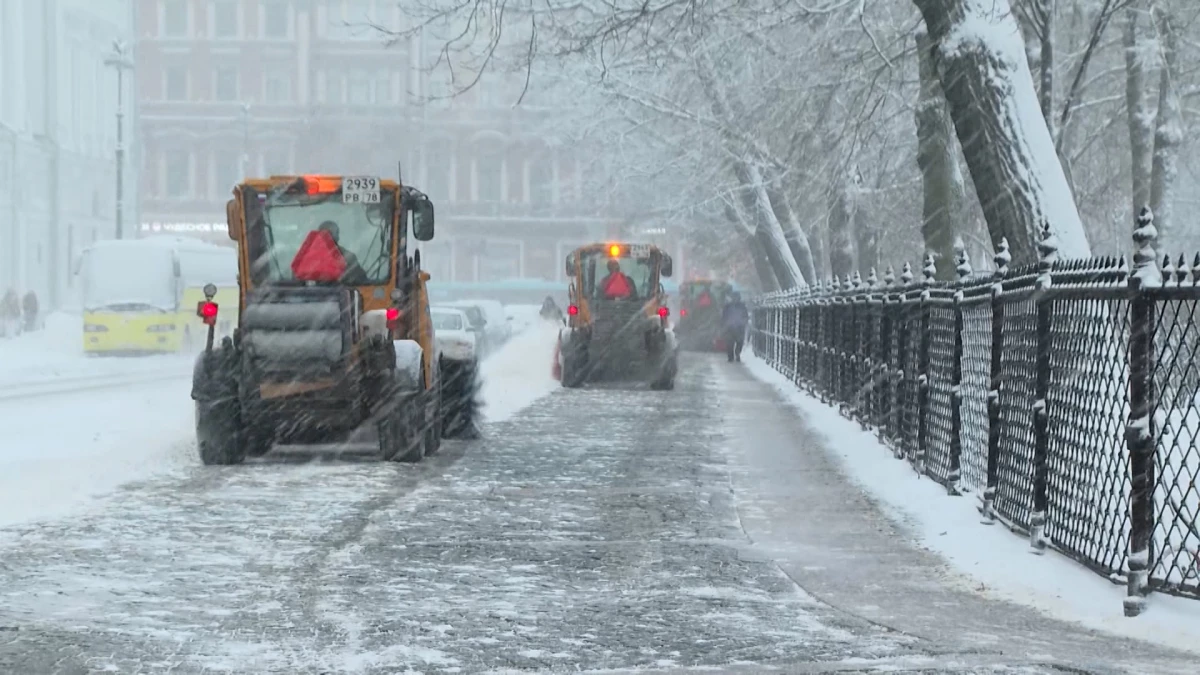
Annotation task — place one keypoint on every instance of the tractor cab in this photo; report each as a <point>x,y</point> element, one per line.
<point>701,302</point>
<point>333,327</point>
<point>618,320</point>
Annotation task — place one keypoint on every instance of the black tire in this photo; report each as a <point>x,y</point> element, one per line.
<point>574,368</point>
<point>666,377</point>
<point>460,399</point>
<point>410,430</point>
<point>218,433</point>
<point>257,442</point>
<point>433,424</point>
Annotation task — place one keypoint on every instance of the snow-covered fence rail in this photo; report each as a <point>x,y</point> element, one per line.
<point>1063,395</point>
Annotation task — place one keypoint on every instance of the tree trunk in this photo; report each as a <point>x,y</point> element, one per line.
<point>1141,139</point>
<point>1168,131</point>
<point>762,266</point>
<point>841,229</point>
<point>1046,17</point>
<point>940,176</point>
<point>755,198</point>
<point>1005,140</point>
<point>796,237</point>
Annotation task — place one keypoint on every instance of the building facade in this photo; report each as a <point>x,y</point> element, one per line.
<point>58,104</point>
<point>230,88</point>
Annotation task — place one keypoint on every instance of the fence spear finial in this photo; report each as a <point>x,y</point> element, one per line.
<point>1002,257</point>
<point>872,280</point>
<point>856,280</point>
<point>929,271</point>
<point>1145,272</point>
<point>1048,250</point>
<point>906,275</point>
<point>963,268</point>
<point>889,277</point>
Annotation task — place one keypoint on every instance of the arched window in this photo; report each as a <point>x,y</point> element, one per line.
<point>541,182</point>
<point>489,172</point>
<point>439,160</point>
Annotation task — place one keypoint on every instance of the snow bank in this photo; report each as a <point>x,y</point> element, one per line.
<point>992,556</point>
<point>58,453</point>
<point>520,372</point>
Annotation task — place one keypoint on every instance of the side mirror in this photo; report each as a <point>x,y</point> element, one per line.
<point>571,265</point>
<point>422,219</point>
<point>667,265</point>
<point>233,220</point>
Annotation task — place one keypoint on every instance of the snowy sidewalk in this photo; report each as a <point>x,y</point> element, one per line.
<point>802,511</point>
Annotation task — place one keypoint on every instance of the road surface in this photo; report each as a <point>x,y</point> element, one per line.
<point>599,529</point>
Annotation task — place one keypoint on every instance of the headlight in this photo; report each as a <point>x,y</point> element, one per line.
<point>160,328</point>
<point>94,328</point>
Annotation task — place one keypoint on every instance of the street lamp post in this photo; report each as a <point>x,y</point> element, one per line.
<point>119,59</point>
<point>245,160</point>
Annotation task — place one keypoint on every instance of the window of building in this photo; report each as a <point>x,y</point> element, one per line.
<point>177,178</point>
<point>225,19</point>
<point>500,261</point>
<point>226,85</point>
<point>383,88</point>
<point>275,19</point>
<point>360,15</point>
<point>489,170</point>
<point>276,161</point>
<point>278,86</point>
<point>227,173</point>
<point>176,83</point>
<point>358,89</point>
<point>438,164</point>
<point>335,89</point>
<point>541,183</point>
<point>175,18</point>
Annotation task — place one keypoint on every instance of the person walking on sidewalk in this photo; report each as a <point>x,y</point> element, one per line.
<point>10,314</point>
<point>29,304</point>
<point>735,317</point>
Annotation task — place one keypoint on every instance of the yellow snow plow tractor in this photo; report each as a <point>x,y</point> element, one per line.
<point>333,331</point>
<point>618,323</point>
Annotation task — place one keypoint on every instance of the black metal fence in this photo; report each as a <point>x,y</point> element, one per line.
<point>1063,394</point>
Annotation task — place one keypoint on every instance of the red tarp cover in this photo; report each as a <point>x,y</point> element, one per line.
<point>318,258</point>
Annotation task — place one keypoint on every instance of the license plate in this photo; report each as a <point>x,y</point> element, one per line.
<point>360,190</point>
<point>639,250</point>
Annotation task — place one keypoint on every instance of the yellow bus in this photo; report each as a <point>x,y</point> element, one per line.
<point>140,295</point>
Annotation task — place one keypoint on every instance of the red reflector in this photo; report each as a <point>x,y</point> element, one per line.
<point>208,310</point>
<point>393,314</point>
<point>663,311</point>
<point>572,310</point>
<point>683,312</point>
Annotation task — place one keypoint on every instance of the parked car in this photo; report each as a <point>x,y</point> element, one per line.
<point>497,326</point>
<point>477,325</point>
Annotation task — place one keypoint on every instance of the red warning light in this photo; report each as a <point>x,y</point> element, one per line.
<point>207,310</point>
<point>572,310</point>
<point>393,314</point>
<point>663,312</point>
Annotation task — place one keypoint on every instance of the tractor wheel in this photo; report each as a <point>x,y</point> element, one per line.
<point>460,402</point>
<point>411,434</point>
<point>257,442</point>
<point>574,365</point>
<point>433,423</point>
<point>666,377</point>
<point>217,433</point>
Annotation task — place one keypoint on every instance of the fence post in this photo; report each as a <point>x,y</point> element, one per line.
<point>902,374</point>
<point>885,349</point>
<point>1048,247</point>
<point>1001,259</point>
<point>929,271</point>
<point>963,268</point>
<point>1140,435</point>
<point>871,369</point>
